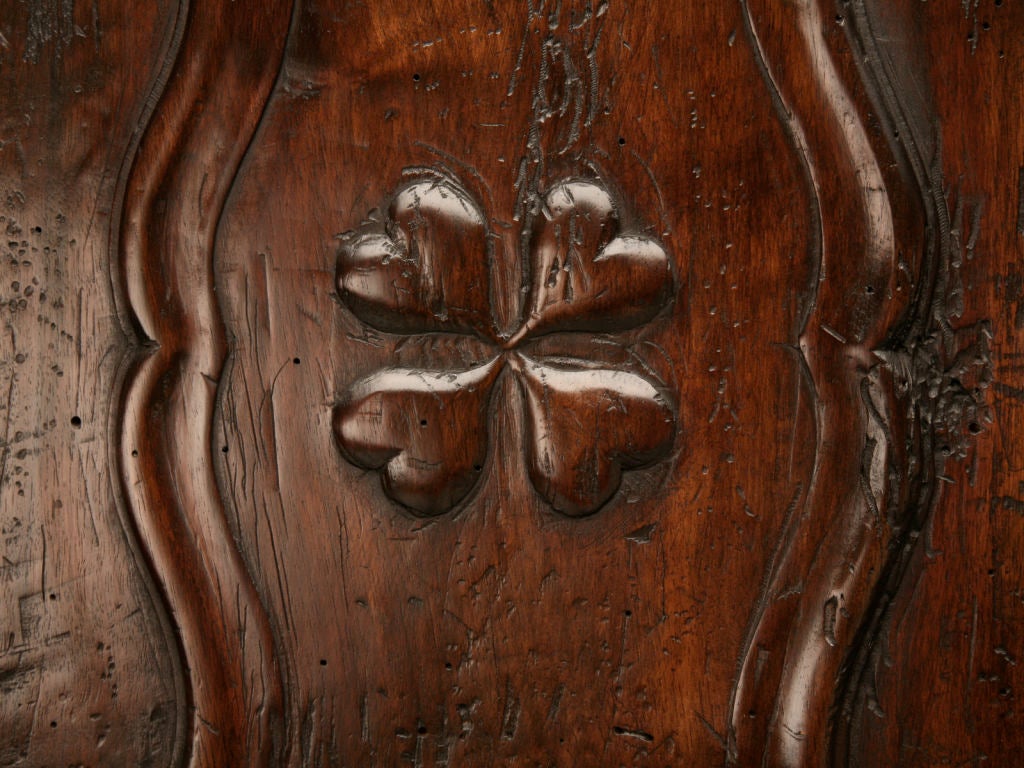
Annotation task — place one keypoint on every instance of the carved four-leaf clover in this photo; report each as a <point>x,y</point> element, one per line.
<point>425,266</point>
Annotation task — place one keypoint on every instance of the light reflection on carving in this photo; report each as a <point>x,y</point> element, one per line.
<point>426,267</point>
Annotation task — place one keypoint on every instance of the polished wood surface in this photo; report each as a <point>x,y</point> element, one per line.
<point>515,382</point>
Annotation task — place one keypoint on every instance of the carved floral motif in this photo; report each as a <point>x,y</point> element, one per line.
<point>427,267</point>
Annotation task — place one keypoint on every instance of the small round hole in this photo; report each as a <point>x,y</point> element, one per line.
<point>416,77</point>
<point>296,360</point>
<point>323,662</point>
<point>76,422</point>
<point>622,141</point>
<point>423,422</point>
<point>135,454</point>
<point>223,449</point>
<point>53,723</point>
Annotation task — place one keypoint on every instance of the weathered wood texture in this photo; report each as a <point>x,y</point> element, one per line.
<point>511,383</point>
<point>86,670</point>
<point>948,673</point>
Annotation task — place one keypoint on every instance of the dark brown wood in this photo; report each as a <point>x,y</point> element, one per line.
<point>959,649</point>
<point>210,99</point>
<point>526,382</point>
<point>427,429</point>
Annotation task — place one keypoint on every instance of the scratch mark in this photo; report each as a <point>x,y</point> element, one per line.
<point>1020,201</point>
<point>834,334</point>
<point>510,718</point>
<point>643,534</point>
<point>632,733</point>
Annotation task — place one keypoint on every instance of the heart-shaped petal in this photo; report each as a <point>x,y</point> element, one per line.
<point>586,275</point>
<point>586,426</point>
<point>425,430</point>
<point>425,267</point>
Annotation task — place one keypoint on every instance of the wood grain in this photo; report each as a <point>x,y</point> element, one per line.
<point>819,593</point>
<point>525,382</point>
<point>953,638</point>
<point>505,631</point>
<point>86,668</point>
<point>217,80</point>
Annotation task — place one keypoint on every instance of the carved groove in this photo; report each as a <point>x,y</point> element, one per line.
<point>186,162</point>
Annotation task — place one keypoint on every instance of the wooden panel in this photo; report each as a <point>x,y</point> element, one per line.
<point>86,662</point>
<point>499,626</point>
<point>548,383</point>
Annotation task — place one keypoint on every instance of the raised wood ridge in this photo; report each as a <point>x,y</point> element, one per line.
<point>208,103</point>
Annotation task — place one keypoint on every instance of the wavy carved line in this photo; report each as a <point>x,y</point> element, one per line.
<point>817,613</point>
<point>170,46</point>
<point>924,337</point>
<point>226,63</point>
